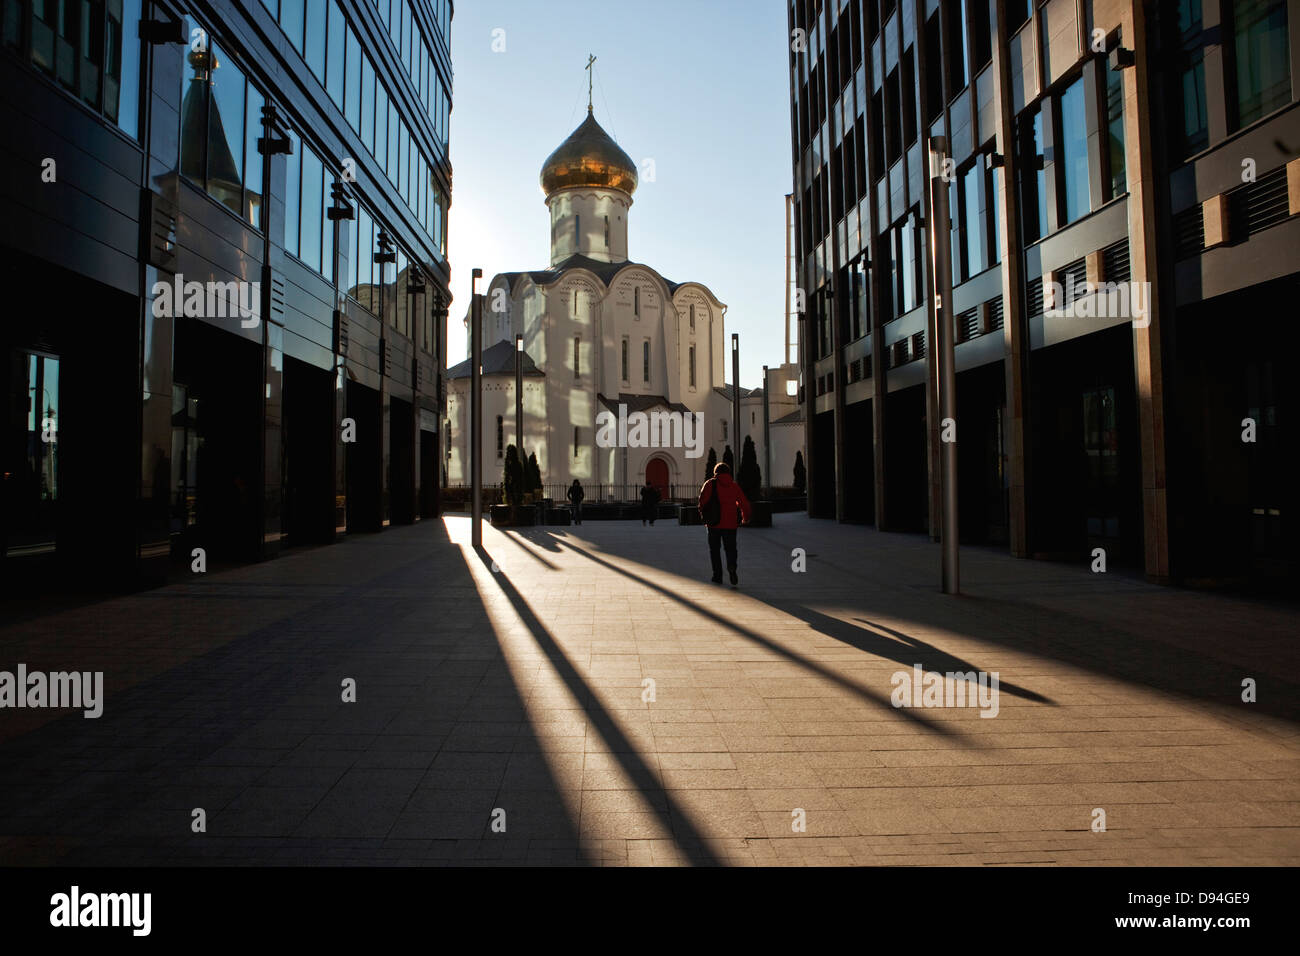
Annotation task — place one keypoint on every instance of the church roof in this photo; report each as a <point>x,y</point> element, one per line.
<point>725,391</point>
<point>605,271</point>
<point>793,418</point>
<point>498,359</point>
<point>640,403</point>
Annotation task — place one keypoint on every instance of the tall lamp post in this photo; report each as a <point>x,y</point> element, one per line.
<point>519,394</point>
<point>945,360</point>
<point>735,398</point>
<point>767,435</point>
<point>476,408</point>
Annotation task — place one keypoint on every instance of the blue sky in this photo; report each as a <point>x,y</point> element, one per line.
<point>699,87</point>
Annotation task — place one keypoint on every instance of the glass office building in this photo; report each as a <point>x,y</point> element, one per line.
<point>1123,188</point>
<point>226,225</point>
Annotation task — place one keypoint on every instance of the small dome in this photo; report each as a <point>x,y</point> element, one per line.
<point>589,157</point>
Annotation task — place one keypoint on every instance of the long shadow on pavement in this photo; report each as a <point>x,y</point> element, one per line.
<point>254,732</point>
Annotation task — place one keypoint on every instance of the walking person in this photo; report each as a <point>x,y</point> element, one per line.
<point>649,504</point>
<point>575,495</point>
<point>720,498</point>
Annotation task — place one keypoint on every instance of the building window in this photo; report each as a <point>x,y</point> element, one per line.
<point>994,211</point>
<point>692,318</point>
<point>577,233</point>
<point>1262,55</point>
<point>575,301</point>
<point>645,361</point>
<point>501,436</point>
<point>692,366</point>
<point>575,441</point>
<point>973,213</point>
<point>1191,79</point>
<point>1115,132</point>
<point>607,232</point>
<point>624,359</point>
<point>1033,179</point>
<point>577,367</point>
<point>1072,130</point>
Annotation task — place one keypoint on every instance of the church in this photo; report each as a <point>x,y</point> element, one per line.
<point>603,338</point>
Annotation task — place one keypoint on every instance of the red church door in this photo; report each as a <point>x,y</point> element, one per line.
<point>656,475</point>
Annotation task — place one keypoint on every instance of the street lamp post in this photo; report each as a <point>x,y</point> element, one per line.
<point>735,399</point>
<point>945,360</point>
<point>767,435</point>
<point>476,409</point>
<point>519,395</point>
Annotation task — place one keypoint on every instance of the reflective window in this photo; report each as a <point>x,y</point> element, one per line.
<point>291,21</point>
<point>1262,54</point>
<point>1115,132</point>
<point>225,173</point>
<point>1073,133</point>
<point>368,104</point>
<point>314,53</point>
<point>293,185</point>
<point>352,99</point>
<point>312,179</point>
<point>973,227</point>
<point>337,54</point>
<point>253,158</point>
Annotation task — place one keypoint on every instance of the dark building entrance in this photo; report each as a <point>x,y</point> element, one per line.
<point>309,436</point>
<point>217,429</point>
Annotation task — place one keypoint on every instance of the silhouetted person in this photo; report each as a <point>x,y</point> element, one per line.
<point>576,495</point>
<point>649,504</point>
<point>719,500</point>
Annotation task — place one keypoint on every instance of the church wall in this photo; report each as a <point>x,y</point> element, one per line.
<point>591,207</point>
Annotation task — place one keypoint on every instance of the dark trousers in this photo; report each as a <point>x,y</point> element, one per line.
<point>577,512</point>
<point>719,538</point>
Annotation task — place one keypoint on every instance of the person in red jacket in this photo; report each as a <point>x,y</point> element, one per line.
<point>723,532</point>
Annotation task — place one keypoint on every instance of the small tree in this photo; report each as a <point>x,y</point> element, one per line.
<point>800,473</point>
<point>533,473</point>
<point>512,485</point>
<point>729,459</point>
<point>710,464</point>
<point>749,477</point>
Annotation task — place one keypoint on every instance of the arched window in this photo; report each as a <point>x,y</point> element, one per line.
<point>692,318</point>
<point>645,361</point>
<point>636,300</point>
<point>577,367</point>
<point>607,232</point>
<point>577,232</point>
<point>501,436</point>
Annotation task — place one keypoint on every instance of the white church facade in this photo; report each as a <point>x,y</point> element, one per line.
<point>603,338</point>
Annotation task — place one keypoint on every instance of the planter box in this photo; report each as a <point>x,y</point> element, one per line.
<point>559,516</point>
<point>689,514</point>
<point>524,516</point>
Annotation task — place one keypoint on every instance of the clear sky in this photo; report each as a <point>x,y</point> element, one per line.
<point>698,86</point>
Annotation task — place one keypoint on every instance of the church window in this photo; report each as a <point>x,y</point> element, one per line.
<point>577,370</point>
<point>724,429</point>
<point>607,232</point>
<point>575,301</point>
<point>692,368</point>
<point>636,300</point>
<point>692,318</point>
<point>624,359</point>
<point>501,435</point>
<point>577,232</point>
<point>645,361</point>
<point>575,441</point>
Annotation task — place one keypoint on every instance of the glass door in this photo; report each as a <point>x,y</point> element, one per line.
<point>31,465</point>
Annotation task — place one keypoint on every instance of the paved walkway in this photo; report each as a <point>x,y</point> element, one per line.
<point>509,687</point>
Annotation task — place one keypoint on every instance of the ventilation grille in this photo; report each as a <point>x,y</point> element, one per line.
<point>1189,232</point>
<point>996,318</point>
<point>1074,281</point>
<point>1034,297</point>
<point>1114,259</point>
<point>968,325</point>
<point>918,345</point>
<point>1255,207</point>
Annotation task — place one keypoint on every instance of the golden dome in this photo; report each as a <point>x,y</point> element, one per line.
<point>589,157</point>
